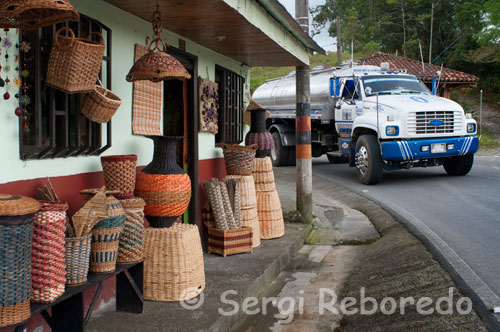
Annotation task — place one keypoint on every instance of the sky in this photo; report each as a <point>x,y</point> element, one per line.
<point>323,39</point>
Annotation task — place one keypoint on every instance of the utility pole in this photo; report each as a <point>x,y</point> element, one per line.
<point>430,40</point>
<point>303,124</point>
<point>339,39</point>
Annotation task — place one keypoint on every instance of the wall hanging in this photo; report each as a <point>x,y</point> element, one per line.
<point>209,105</point>
<point>34,14</point>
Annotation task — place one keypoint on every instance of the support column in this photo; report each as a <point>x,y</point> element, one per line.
<point>303,125</point>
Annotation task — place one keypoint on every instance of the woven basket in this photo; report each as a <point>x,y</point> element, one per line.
<point>239,159</point>
<point>173,267</point>
<point>16,232</point>
<point>263,140</point>
<point>120,174</point>
<point>131,247</point>
<point>234,192</point>
<point>250,218</point>
<point>77,259</point>
<point>263,174</point>
<point>229,242</point>
<point>270,215</point>
<point>74,63</point>
<point>216,203</point>
<point>247,190</point>
<point>48,259</point>
<point>100,105</point>
<point>106,237</point>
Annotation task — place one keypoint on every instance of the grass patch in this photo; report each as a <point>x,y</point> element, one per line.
<point>488,141</point>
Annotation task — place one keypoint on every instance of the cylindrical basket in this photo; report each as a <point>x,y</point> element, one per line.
<point>250,218</point>
<point>263,174</point>
<point>74,63</point>
<point>131,248</point>
<point>77,259</point>
<point>120,174</point>
<point>100,105</point>
<point>173,268</point>
<point>270,215</point>
<point>16,233</point>
<point>48,259</point>
<point>106,237</point>
<point>248,198</point>
<point>239,159</point>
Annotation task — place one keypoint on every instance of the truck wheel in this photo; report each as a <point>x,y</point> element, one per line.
<point>279,153</point>
<point>459,165</point>
<point>337,159</point>
<point>369,162</point>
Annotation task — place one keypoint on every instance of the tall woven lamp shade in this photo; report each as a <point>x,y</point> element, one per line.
<point>157,65</point>
<point>34,14</point>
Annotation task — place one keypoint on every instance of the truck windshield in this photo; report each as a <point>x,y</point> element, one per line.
<point>385,84</point>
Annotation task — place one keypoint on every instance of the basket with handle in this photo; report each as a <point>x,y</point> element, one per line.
<point>100,105</point>
<point>74,63</point>
<point>239,159</point>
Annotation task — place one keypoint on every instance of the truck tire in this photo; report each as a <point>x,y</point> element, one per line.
<point>279,153</point>
<point>459,165</point>
<point>369,162</point>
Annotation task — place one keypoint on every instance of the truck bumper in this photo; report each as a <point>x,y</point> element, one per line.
<point>412,150</point>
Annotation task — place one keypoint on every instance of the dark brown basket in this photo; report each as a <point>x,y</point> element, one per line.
<point>100,105</point>
<point>239,159</point>
<point>74,63</point>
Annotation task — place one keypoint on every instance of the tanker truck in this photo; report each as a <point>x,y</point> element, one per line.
<point>372,118</point>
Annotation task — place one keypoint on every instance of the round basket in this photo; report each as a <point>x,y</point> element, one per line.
<point>48,259</point>
<point>239,159</point>
<point>270,215</point>
<point>250,218</point>
<point>263,174</point>
<point>120,174</point>
<point>173,267</point>
<point>77,259</point>
<point>100,105</point>
<point>131,245</point>
<point>248,198</point>
<point>74,63</point>
<point>16,234</point>
<point>263,140</point>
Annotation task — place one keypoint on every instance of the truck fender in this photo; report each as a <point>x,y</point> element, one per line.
<point>287,134</point>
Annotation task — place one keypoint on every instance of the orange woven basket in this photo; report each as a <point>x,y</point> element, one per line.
<point>263,174</point>
<point>270,215</point>
<point>250,218</point>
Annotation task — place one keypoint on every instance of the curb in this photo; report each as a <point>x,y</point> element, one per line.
<point>483,298</point>
<point>225,323</point>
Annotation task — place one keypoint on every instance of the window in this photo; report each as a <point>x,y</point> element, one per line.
<point>55,127</point>
<point>231,87</point>
<point>351,89</point>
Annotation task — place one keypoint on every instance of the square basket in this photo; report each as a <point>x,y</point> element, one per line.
<point>229,242</point>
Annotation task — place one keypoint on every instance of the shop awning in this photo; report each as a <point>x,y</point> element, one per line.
<point>222,28</point>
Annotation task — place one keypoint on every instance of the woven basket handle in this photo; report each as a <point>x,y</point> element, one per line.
<point>98,34</point>
<point>58,33</point>
<point>105,92</point>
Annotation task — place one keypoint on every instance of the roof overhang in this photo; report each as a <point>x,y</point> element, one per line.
<point>224,29</point>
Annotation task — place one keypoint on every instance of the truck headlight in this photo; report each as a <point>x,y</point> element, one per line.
<point>392,130</point>
<point>471,128</point>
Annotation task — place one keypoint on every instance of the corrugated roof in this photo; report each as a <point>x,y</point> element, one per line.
<point>414,67</point>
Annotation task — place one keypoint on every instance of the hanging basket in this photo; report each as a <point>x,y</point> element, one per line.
<point>34,14</point>
<point>239,159</point>
<point>100,105</point>
<point>74,63</point>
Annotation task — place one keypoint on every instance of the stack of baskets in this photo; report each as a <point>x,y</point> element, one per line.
<point>239,164</point>
<point>16,230</point>
<point>174,269</point>
<point>268,202</point>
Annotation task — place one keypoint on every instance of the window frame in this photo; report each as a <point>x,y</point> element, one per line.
<point>94,144</point>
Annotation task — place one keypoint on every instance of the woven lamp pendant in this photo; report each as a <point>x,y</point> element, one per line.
<point>157,65</point>
<point>34,14</point>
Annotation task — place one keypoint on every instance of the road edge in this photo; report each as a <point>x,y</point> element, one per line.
<point>483,298</point>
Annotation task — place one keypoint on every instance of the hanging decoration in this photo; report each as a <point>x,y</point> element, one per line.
<point>209,106</point>
<point>157,65</point>
<point>34,14</point>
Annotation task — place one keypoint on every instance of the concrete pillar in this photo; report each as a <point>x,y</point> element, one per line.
<point>303,125</point>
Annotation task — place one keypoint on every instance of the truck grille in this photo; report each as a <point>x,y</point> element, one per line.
<point>433,122</point>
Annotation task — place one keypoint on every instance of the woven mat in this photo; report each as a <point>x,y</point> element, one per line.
<point>147,105</point>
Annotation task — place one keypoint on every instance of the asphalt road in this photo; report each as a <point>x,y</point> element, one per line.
<point>463,211</point>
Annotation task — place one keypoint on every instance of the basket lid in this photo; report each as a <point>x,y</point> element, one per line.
<point>94,191</point>
<point>13,205</point>
<point>134,202</point>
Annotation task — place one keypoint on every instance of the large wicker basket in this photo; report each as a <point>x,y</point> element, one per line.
<point>77,259</point>
<point>48,259</point>
<point>248,198</point>
<point>270,215</point>
<point>229,242</point>
<point>16,231</point>
<point>173,267</point>
<point>120,174</point>
<point>131,248</point>
<point>250,218</point>
<point>74,63</point>
<point>263,174</point>
<point>239,159</point>
<point>100,105</point>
